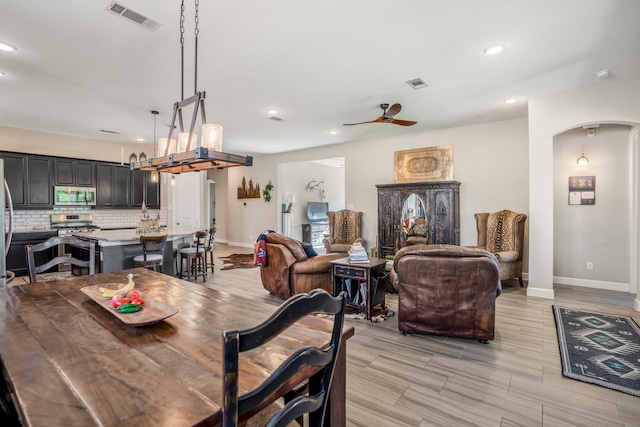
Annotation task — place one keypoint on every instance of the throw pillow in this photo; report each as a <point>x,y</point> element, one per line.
<point>418,230</point>
<point>308,248</point>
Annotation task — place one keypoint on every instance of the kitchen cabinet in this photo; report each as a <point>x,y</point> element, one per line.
<point>74,172</point>
<point>30,180</point>
<point>143,189</point>
<point>439,202</point>
<point>17,255</point>
<point>112,186</point>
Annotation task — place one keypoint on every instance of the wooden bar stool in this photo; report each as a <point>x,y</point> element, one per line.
<point>208,249</point>
<point>194,257</point>
<point>152,252</point>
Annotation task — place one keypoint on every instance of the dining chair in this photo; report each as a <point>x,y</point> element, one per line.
<point>208,249</point>
<point>61,244</point>
<point>314,403</point>
<point>152,252</point>
<point>194,258</point>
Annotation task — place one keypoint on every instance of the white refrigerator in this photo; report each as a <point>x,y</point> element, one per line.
<point>6,223</point>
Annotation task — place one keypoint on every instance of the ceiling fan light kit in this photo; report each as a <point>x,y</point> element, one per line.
<point>387,116</point>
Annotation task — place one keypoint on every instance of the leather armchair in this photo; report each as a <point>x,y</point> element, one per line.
<point>446,290</point>
<point>344,230</point>
<point>289,271</point>
<point>502,234</point>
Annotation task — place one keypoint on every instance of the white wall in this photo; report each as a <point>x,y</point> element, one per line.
<point>593,233</point>
<point>614,102</point>
<point>490,161</point>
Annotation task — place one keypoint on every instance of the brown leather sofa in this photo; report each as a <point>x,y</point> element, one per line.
<point>502,234</point>
<point>446,290</point>
<point>289,271</point>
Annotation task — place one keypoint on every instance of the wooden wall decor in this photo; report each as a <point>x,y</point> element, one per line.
<point>424,164</point>
<point>248,192</point>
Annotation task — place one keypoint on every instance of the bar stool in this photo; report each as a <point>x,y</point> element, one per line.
<point>196,262</point>
<point>208,249</point>
<point>152,252</point>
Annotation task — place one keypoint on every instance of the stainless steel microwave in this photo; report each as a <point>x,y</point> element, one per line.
<point>74,196</point>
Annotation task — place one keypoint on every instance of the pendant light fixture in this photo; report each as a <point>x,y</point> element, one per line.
<point>189,153</point>
<point>591,132</point>
<point>154,173</point>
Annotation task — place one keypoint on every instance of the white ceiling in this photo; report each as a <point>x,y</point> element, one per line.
<point>80,68</point>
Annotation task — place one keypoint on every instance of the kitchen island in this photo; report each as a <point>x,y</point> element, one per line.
<point>116,248</point>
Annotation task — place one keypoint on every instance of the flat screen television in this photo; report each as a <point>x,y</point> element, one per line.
<point>317,211</point>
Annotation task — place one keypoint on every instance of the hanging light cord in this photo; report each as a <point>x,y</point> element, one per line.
<point>196,32</point>
<point>182,50</point>
<point>155,116</point>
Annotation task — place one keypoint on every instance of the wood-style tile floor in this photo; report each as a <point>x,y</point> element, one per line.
<point>515,380</point>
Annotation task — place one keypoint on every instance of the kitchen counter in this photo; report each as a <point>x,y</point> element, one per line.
<point>118,247</point>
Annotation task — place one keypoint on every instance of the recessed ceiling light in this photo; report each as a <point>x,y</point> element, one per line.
<point>2,73</point>
<point>603,74</point>
<point>272,111</point>
<point>509,100</point>
<point>333,132</point>
<point>140,139</point>
<point>7,47</point>
<point>494,49</point>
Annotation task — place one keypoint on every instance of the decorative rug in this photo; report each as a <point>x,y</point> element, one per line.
<point>237,261</point>
<point>599,348</point>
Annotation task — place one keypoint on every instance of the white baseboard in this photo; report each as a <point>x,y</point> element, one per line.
<point>636,304</point>
<point>540,292</point>
<point>586,283</point>
<point>242,245</point>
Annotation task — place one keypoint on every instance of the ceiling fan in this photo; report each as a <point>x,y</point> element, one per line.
<point>387,116</point>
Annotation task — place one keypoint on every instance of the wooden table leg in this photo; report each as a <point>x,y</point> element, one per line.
<point>336,415</point>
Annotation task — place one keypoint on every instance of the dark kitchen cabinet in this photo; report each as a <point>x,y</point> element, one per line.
<point>112,186</point>
<point>15,171</point>
<point>143,189</point>
<point>440,201</point>
<point>76,173</point>
<point>17,255</point>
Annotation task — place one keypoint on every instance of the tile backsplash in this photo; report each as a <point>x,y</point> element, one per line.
<point>104,218</point>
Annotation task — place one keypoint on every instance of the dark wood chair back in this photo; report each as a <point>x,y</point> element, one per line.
<point>153,245</point>
<point>315,402</point>
<point>71,241</point>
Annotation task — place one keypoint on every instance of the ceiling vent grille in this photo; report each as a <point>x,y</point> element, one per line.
<point>275,119</point>
<point>133,16</point>
<point>417,83</point>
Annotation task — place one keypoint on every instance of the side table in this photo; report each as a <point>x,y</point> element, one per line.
<point>358,280</point>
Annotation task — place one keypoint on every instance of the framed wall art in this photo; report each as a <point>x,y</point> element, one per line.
<point>582,190</point>
<point>424,164</point>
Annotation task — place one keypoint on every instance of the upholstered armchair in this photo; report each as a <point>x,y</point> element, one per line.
<point>446,290</point>
<point>290,270</point>
<point>344,230</point>
<point>502,234</point>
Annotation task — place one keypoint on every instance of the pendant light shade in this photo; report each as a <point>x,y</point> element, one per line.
<point>212,136</point>
<point>582,161</point>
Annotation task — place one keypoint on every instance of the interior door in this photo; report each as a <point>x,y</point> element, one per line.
<point>186,196</point>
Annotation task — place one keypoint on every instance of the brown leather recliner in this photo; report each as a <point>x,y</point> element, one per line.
<point>502,234</point>
<point>289,271</point>
<point>446,290</point>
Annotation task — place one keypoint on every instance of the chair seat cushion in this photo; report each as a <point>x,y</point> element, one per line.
<point>507,256</point>
<point>191,251</point>
<point>150,258</point>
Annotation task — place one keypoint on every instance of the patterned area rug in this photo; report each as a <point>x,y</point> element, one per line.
<point>599,348</point>
<point>237,261</point>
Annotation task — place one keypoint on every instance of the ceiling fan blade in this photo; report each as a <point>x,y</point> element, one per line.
<point>402,122</point>
<point>393,110</point>
<point>378,120</point>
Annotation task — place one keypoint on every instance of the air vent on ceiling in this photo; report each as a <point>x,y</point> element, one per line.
<point>135,17</point>
<point>275,119</point>
<point>109,131</point>
<point>417,83</point>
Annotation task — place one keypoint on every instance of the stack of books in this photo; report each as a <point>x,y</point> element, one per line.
<point>357,254</point>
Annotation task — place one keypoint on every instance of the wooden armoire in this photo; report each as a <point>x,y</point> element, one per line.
<point>441,202</point>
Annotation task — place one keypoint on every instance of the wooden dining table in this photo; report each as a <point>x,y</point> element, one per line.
<point>69,361</point>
